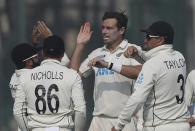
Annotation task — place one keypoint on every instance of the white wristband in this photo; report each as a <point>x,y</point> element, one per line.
<point>115,67</point>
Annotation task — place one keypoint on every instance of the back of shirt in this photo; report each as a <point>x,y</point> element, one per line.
<point>50,90</point>
<point>165,102</point>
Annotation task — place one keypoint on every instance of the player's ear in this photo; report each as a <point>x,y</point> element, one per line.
<point>122,30</point>
<point>162,40</point>
<point>62,55</point>
<point>29,63</point>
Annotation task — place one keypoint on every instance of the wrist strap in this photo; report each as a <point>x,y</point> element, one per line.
<point>115,67</point>
<point>110,65</point>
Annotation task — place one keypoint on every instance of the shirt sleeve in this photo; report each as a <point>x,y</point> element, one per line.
<point>143,87</point>
<point>78,95</point>
<point>189,91</point>
<point>20,112</point>
<point>84,66</point>
<point>79,104</point>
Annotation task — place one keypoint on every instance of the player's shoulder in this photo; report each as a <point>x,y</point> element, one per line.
<point>153,64</point>
<point>13,77</point>
<point>72,74</point>
<point>97,51</point>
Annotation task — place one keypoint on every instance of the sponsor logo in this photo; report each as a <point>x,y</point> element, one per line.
<point>104,71</point>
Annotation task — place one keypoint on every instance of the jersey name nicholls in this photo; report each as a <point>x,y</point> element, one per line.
<point>49,91</point>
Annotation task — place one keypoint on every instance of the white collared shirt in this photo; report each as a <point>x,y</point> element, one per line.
<point>111,90</point>
<point>49,91</point>
<point>160,88</point>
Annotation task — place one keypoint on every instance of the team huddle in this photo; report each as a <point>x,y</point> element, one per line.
<point>135,89</point>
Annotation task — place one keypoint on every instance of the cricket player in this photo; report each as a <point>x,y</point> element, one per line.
<point>49,91</point>
<point>25,58</point>
<point>111,90</point>
<point>160,85</point>
<point>189,96</point>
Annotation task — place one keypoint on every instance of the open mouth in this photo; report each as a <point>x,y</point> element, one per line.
<point>106,38</point>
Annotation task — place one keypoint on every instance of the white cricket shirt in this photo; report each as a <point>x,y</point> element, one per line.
<point>160,87</point>
<point>111,90</point>
<point>49,91</point>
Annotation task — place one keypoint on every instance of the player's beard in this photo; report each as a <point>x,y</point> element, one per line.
<point>35,64</point>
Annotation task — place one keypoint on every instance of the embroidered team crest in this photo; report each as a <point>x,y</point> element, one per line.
<point>102,57</point>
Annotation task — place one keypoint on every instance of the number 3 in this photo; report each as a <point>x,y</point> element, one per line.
<point>49,99</point>
<point>180,78</point>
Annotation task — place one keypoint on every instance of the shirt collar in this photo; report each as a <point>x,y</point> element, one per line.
<point>50,61</point>
<point>122,45</point>
<point>157,50</point>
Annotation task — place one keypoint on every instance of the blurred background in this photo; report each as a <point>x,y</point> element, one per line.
<point>64,18</point>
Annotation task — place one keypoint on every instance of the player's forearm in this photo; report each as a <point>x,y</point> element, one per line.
<point>76,58</point>
<point>20,116</point>
<point>22,122</point>
<point>128,71</point>
<point>131,71</point>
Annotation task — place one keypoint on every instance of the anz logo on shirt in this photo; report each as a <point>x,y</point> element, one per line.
<point>140,79</point>
<point>104,72</point>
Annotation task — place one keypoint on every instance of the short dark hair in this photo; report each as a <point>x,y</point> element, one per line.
<point>53,47</point>
<point>20,53</point>
<point>121,18</point>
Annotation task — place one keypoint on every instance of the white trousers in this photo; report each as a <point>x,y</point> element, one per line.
<point>106,124</point>
<point>180,126</point>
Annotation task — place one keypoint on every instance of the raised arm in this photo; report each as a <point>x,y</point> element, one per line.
<point>35,36</point>
<point>41,31</point>
<point>82,38</point>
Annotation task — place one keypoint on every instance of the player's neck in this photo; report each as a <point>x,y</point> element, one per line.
<point>114,45</point>
<point>48,58</point>
<point>28,67</point>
